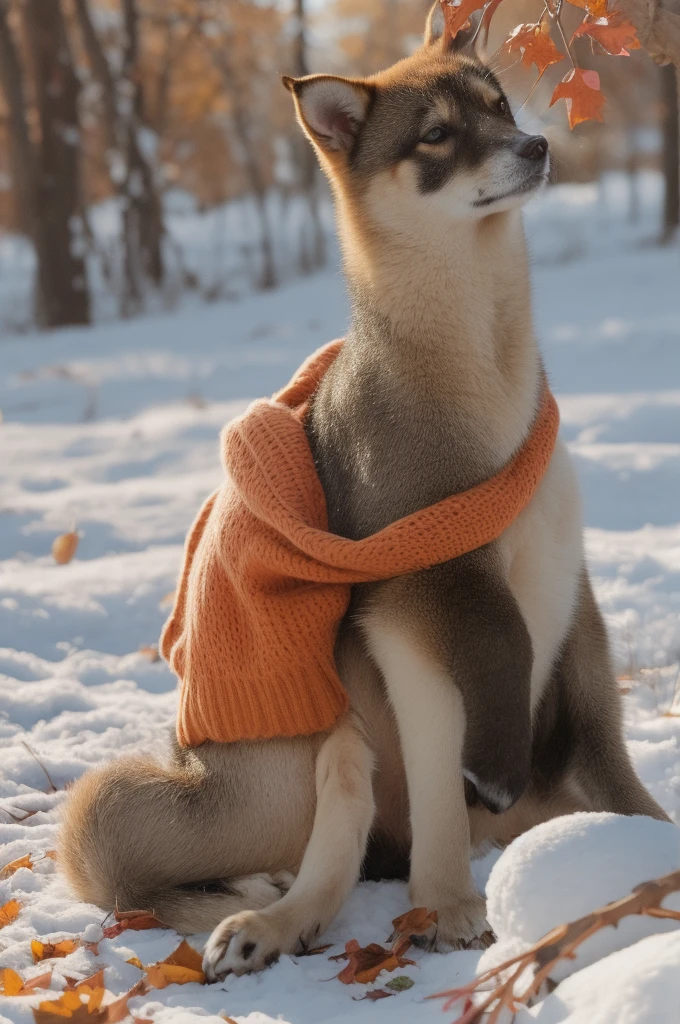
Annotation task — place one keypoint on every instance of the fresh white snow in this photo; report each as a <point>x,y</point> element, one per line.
<point>113,430</point>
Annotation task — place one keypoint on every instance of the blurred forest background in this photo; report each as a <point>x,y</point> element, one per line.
<point>148,152</point>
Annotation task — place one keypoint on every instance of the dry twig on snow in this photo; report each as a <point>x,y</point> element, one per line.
<point>559,944</point>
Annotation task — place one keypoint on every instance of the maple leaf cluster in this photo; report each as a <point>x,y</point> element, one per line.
<point>603,23</point>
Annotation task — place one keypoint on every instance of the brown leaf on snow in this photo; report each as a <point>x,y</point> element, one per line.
<point>52,950</point>
<point>366,962</point>
<point>135,920</point>
<point>9,912</point>
<point>373,996</point>
<point>64,547</point>
<point>22,862</point>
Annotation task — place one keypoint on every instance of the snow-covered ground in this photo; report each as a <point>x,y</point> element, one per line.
<point>113,431</point>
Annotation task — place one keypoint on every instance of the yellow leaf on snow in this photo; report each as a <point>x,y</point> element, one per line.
<point>9,912</point>
<point>63,1006</point>
<point>11,983</point>
<point>50,950</point>
<point>80,1003</point>
<point>136,962</point>
<point>161,975</point>
<point>181,967</point>
<point>22,862</point>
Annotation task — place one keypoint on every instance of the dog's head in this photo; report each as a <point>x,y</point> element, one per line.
<point>431,137</point>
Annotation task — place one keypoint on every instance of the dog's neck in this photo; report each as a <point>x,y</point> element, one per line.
<point>448,315</point>
<point>439,380</point>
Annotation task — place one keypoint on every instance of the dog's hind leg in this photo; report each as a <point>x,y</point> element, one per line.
<point>597,763</point>
<point>195,836</point>
<point>330,867</point>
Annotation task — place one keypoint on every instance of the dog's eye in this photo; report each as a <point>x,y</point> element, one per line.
<point>502,106</point>
<point>436,134</point>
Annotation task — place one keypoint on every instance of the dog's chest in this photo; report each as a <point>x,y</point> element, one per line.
<point>381,455</point>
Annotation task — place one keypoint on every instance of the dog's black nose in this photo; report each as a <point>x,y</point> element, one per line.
<point>534,147</point>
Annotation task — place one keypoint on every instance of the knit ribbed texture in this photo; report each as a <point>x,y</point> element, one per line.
<point>264,584</point>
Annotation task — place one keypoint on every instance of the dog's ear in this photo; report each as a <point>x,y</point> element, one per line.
<point>330,109</point>
<point>436,34</point>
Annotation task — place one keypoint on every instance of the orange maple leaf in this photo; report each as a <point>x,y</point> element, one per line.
<point>615,33</point>
<point>598,8</point>
<point>536,45</point>
<point>457,14</point>
<point>581,90</point>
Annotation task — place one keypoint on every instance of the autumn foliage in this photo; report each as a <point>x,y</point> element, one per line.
<point>544,43</point>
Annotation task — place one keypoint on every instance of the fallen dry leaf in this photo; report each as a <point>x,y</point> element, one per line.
<point>9,912</point>
<point>373,996</point>
<point>183,966</point>
<point>366,962</point>
<point>64,547</point>
<point>22,862</point>
<point>136,962</point>
<point>135,920</point>
<point>415,922</point>
<point>581,90</point>
<point>52,950</point>
<point>118,1010</point>
<point>400,984</point>
<point>12,984</point>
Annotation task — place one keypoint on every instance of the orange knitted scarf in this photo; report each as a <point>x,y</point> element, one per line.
<point>264,584</point>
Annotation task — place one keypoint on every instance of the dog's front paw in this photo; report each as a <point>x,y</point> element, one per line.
<point>245,942</point>
<point>460,925</point>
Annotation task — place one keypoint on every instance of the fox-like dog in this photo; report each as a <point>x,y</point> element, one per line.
<point>488,676</point>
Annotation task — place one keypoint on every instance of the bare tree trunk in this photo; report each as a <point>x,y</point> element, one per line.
<point>671,152</point>
<point>57,232</point>
<point>24,156</point>
<point>252,166</point>
<point>314,255</point>
<point>123,102</point>
<point>142,215</point>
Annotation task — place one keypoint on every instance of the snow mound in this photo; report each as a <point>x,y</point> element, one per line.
<point>570,866</point>
<point>635,985</point>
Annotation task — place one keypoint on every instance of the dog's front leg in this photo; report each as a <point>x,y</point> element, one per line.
<point>431,722</point>
<point>254,939</point>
